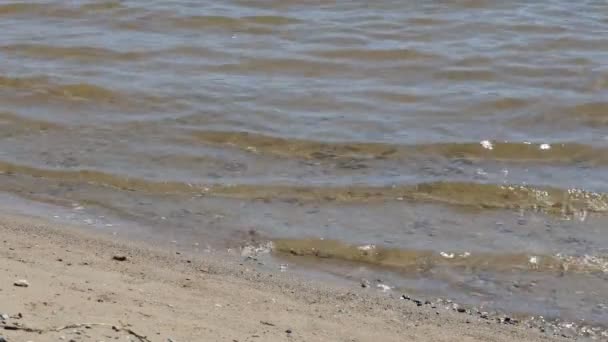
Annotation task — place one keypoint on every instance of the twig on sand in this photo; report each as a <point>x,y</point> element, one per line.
<point>267,323</point>
<point>20,327</point>
<point>142,338</point>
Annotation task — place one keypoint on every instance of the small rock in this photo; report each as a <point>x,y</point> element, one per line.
<point>288,331</point>
<point>427,302</point>
<point>406,297</point>
<point>461,310</point>
<point>119,258</point>
<point>2,339</point>
<point>21,283</point>
<point>4,317</point>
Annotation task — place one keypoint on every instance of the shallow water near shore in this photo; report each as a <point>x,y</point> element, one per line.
<point>457,149</point>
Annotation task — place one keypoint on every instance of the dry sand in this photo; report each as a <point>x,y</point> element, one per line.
<point>156,293</point>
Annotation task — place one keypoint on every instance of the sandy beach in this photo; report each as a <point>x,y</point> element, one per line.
<point>77,291</point>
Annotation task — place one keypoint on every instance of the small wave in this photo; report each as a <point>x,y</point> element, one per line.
<point>42,85</point>
<point>463,194</point>
<point>283,67</point>
<point>466,74</point>
<point>245,24</point>
<point>22,8</point>
<point>592,113</point>
<point>231,23</point>
<point>57,10</point>
<point>560,153</point>
<point>87,54</point>
<point>426,260</point>
<point>505,103</point>
<point>80,53</point>
<point>375,55</point>
<point>41,90</point>
<point>12,124</point>
<point>103,5</point>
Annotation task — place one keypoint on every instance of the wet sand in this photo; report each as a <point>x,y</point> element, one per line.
<point>162,295</point>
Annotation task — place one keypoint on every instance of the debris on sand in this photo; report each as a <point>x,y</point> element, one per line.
<point>21,283</point>
<point>119,257</point>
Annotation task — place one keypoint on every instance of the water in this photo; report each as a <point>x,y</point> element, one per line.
<point>464,142</point>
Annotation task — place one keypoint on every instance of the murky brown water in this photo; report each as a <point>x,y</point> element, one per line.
<point>467,141</point>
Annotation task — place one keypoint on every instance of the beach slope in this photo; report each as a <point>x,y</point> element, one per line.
<point>77,290</point>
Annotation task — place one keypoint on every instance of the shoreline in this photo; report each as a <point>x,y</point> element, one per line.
<point>76,283</point>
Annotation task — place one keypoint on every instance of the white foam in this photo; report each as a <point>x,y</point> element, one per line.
<point>487,144</point>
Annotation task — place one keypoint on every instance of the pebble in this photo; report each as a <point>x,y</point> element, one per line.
<point>119,258</point>
<point>288,331</point>
<point>4,316</point>
<point>557,328</point>
<point>21,283</point>
<point>2,339</point>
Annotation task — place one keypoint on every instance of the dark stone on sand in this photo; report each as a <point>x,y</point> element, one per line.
<point>406,297</point>
<point>288,331</point>
<point>2,339</point>
<point>21,283</point>
<point>427,302</point>
<point>461,310</point>
<point>119,258</point>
